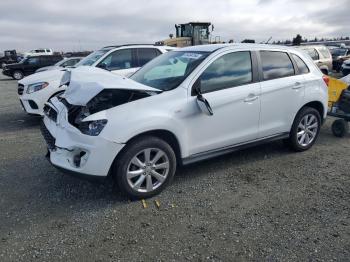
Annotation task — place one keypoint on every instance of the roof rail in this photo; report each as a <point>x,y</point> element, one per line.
<point>116,46</point>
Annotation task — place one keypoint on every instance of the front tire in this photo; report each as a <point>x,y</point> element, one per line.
<point>305,129</point>
<point>145,167</point>
<point>17,75</point>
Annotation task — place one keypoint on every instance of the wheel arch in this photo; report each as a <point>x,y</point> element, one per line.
<point>316,105</point>
<point>163,134</point>
<point>56,93</point>
<point>17,70</point>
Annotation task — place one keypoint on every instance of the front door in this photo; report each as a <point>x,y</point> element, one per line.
<point>121,62</point>
<point>228,85</point>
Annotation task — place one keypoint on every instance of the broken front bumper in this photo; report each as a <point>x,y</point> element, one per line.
<point>73,151</point>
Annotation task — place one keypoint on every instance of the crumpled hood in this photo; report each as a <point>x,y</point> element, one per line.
<point>52,75</point>
<point>87,82</point>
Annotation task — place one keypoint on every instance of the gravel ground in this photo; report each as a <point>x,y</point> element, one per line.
<point>264,203</point>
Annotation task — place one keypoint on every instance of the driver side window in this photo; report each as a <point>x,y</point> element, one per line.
<point>118,60</point>
<point>230,70</point>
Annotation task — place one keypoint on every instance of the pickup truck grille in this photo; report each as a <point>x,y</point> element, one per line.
<point>20,89</point>
<point>50,113</point>
<point>50,140</point>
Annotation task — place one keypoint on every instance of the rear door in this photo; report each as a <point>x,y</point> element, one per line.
<point>282,93</point>
<point>46,61</point>
<point>144,55</point>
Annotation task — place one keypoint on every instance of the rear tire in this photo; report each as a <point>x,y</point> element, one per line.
<point>305,129</point>
<point>17,75</point>
<point>340,128</point>
<point>145,167</point>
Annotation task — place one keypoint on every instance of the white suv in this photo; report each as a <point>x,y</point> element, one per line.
<point>35,90</point>
<point>184,106</point>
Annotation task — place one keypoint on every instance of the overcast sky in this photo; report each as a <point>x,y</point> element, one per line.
<point>74,25</point>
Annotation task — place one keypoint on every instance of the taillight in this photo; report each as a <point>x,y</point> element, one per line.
<point>326,79</point>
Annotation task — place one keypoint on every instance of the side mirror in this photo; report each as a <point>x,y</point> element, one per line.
<point>201,101</point>
<point>102,66</point>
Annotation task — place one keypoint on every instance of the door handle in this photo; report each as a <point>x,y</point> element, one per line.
<point>251,98</point>
<point>297,85</point>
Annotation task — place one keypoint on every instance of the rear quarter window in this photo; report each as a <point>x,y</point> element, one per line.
<point>302,67</point>
<point>276,65</point>
<point>325,52</point>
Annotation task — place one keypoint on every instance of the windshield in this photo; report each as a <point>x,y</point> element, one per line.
<point>92,58</point>
<point>60,62</point>
<point>338,52</point>
<point>169,70</point>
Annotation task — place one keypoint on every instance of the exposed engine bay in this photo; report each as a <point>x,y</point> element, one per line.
<point>106,99</point>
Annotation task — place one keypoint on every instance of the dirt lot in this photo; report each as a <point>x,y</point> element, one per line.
<point>265,203</point>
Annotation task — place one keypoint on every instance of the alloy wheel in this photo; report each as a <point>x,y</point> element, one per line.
<point>307,130</point>
<point>17,75</point>
<point>148,170</point>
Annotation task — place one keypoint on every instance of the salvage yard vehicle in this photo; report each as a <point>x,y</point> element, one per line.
<point>339,105</point>
<point>339,55</point>
<point>321,56</point>
<point>184,106</point>
<point>345,68</point>
<point>29,65</point>
<point>66,62</point>
<point>192,33</point>
<point>34,91</point>
<point>39,51</point>
<point>10,56</point>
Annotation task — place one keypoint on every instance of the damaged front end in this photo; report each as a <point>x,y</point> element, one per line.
<point>106,99</point>
<point>92,90</point>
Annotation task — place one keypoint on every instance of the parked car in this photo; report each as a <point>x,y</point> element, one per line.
<point>184,106</point>
<point>34,91</point>
<point>339,56</point>
<point>10,56</point>
<point>346,67</point>
<point>29,65</point>
<point>321,57</point>
<point>39,51</point>
<point>66,62</point>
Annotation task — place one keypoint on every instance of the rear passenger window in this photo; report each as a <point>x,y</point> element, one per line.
<point>276,65</point>
<point>230,70</point>
<point>302,67</point>
<point>146,54</point>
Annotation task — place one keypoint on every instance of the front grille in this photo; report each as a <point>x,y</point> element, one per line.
<point>20,89</point>
<point>50,113</point>
<point>50,140</point>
